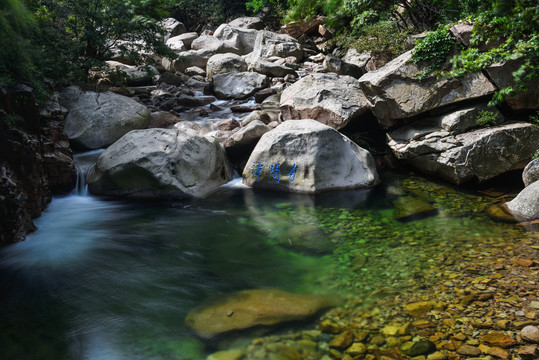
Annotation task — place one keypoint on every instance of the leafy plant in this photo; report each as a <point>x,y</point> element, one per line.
<point>16,26</point>
<point>508,29</point>
<point>383,39</point>
<point>534,119</point>
<point>536,155</point>
<point>487,118</point>
<point>434,49</point>
<point>79,34</point>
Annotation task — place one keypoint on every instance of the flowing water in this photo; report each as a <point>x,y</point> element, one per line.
<point>110,279</point>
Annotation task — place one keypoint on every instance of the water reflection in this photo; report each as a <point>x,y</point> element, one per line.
<point>105,279</point>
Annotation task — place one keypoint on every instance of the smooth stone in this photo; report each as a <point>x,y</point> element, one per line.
<point>160,163</point>
<point>421,347</point>
<point>420,308</point>
<point>530,333</point>
<point>530,174</point>
<point>469,350</point>
<point>525,206</point>
<point>96,120</point>
<point>250,308</point>
<point>411,208</point>
<point>330,99</point>
<point>306,156</point>
<point>499,339</point>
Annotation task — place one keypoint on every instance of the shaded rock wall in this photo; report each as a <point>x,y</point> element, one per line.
<point>31,163</point>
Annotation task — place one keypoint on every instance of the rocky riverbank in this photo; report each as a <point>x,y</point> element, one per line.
<point>473,297</point>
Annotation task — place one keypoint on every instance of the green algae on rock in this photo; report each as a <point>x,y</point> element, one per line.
<point>248,308</point>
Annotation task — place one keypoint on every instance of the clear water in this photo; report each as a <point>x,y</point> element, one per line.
<point>109,279</point>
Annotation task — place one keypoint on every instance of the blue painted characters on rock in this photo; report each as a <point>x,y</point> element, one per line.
<point>274,171</point>
<point>256,169</point>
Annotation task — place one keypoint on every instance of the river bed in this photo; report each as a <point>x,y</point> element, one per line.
<point>110,279</point>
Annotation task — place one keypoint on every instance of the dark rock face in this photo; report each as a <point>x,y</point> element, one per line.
<point>34,158</point>
<point>57,155</point>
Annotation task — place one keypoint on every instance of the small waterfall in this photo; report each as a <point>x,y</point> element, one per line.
<point>84,162</point>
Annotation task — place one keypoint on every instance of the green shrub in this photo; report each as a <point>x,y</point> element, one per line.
<point>383,39</point>
<point>536,155</point>
<point>534,119</point>
<point>434,50</point>
<point>487,118</point>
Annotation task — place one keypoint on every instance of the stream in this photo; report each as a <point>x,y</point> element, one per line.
<point>109,279</point>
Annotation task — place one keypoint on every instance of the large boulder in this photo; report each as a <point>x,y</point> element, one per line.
<point>472,156</point>
<point>306,156</point>
<point>96,120</point>
<point>330,99</point>
<point>247,135</point>
<point>208,42</point>
<point>268,44</point>
<point>187,38</point>
<point>248,308</point>
<point>526,205</point>
<point>171,27</point>
<point>237,40</point>
<point>338,66</point>
<point>238,85</point>
<point>224,63</point>
<point>531,172</point>
<point>395,92</point>
<point>187,59</point>
<point>361,60</point>
<point>247,22</point>
<point>132,75</point>
<point>176,44</point>
<point>502,75</point>
<point>162,163</point>
<point>271,69</point>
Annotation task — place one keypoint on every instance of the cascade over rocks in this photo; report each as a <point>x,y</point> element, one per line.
<point>160,163</point>
<point>96,120</point>
<point>238,85</point>
<point>224,63</point>
<point>472,156</point>
<point>330,99</point>
<point>394,92</point>
<point>248,308</point>
<point>306,156</point>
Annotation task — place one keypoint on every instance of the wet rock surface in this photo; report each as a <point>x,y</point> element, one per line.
<point>250,308</point>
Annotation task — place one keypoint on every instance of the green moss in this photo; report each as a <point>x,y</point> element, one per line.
<point>487,118</point>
